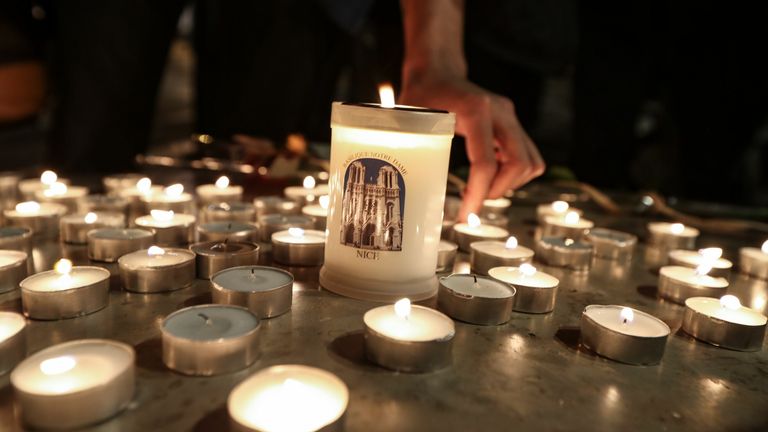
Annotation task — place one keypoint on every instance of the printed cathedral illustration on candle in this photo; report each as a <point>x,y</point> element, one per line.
<point>389,166</point>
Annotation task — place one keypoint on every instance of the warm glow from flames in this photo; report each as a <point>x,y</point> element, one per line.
<point>703,269</point>
<point>144,185</point>
<point>730,302</point>
<point>48,177</point>
<point>63,266</point>
<point>57,365</point>
<point>403,308</point>
<point>222,182</point>
<point>572,218</point>
<point>473,220</point>
<point>325,200</point>
<point>296,232</point>
<point>511,243</point>
<point>161,215</point>
<point>676,228</point>
<point>711,254</point>
<point>309,182</point>
<point>765,247</point>
<point>627,315</point>
<point>527,269</point>
<point>155,250</point>
<point>174,190</point>
<point>387,95</point>
<point>57,188</point>
<point>560,206</point>
<point>90,218</point>
<point>28,207</point>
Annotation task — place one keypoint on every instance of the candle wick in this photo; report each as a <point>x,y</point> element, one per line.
<point>205,317</point>
<point>229,227</point>
<point>226,239</point>
<point>625,320</point>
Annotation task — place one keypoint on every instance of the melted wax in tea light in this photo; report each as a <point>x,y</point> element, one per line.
<point>678,283</point>
<point>754,261</point>
<point>157,269</point>
<point>536,290</point>
<point>473,230</point>
<point>725,323</point>
<point>476,299</point>
<point>219,192</point>
<point>624,334</point>
<point>265,291</point>
<point>298,247</point>
<point>485,255</point>
<point>13,340</point>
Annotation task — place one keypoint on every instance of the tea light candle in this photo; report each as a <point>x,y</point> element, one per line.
<point>13,340</point>
<point>564,252</point>
<point>16,238</point>
<point>109,244</point>
<point>41,218</point>
<point>60,193</point>
<point>265,291</point>
<point>496,206</point>
<point>307,192</point>
<point>65,292</point>
<point>672,235</point>
<point>754,261</point>
<point>13,269</point>
<point>724,323</point>
<point>612,244</point>
<point>446,255</point>
<point>210,339</point>
<point>318,212</point>
<point>170,228</point>
<point>298,247</point>
<point>75,227</point>
<point>74,384</point>
<point>103,203</point>
<point>536,291</point>
<point>137,194</point>
<point>624,334</point>
<point>157,269</point>
<point>485,255</point>
<point>569,226</point>
<point>114,183</point>
<point>476,299</point>
<point>214,256</point>
<point>408,338</point>
<point>229,212</point>
<point>289,398</point>
<point>711,257</point>
<point>220,231</point>
<point>268,205</point>
<point>680,283</point>
<point>29,187</point>
<point>172,199</point>
<point>219,192</point>
<point>473,230</point>
<point>271,224</point>
<point>495,219</point>
<point>556,208</point>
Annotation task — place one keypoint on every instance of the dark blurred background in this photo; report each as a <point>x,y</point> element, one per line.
<point>663,95</point>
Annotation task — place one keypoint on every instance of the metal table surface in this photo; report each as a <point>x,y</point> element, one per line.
<point>529,374</point>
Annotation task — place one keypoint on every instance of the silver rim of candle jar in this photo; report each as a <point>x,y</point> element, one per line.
<point>446,258</point>
<point>159,279</point>
<point>175,235</point>
<point>753,267</point>
<point>464,240</point>
<point>22,241</point>
<point>111,249</point>
<point>635,350</point>
<point>475,310</point>
<point>248,235</point>
<point>208,264</point>
<point>714,272</point>
<point>619,250</point>
<point>12,274</point>
<point>480,262</point>
<point>69,303</point>
<point>671,241</point>
<point>45,226</point>
<point>678,291</point>
<point>81,408</point>
<point>13,350</point>
<point>209,357</point>
<point>296,254</point>
<point>263,303</point>
<point>558,256</point>
<point>407,356</point>
<point>722,333</point>
<point>535,300</point>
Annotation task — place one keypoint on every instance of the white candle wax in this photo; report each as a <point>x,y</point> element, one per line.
<point>562,221</point>
<point>299,236</point>
<point>497,204</point>
<point>309,191</point>
<point>420,324</point>
<point>315,210</point>
<point>760,255</point>
<point>211,323</point>
<point>141,192</point>
<point>469,285</point>
<point>482,230</point>
<point>11,258</point>
<point>252,279</point>
<point>634,323</point>
<point>115,183</point>
<point>697,258</point>
<point>156,258</point>
<point>500,249</point>
<point>691,277</point>
<point>10,324</point>
<point>175,219</point>
<point>724,311</point>
<point>54,281</point>
<point>28,187</point>
<point>221,191</point>
<point>33,209</point>
<point>171,194</point>
<point>523,277</point>
<point>288,398</point>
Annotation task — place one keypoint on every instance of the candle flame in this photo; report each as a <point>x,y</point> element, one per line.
<point>144,185</point>
<point>711,254</point>
<point>48,177</point>
<point>703,269</point>
<point>174,190</point>
<point>57,188</point>
<point>758,302</point>
<point>28,207</point>
<point>511,243</point>
<point>296,232</point>
<point>403,308</point>
<point>560,206</point>
<point>568,242</point>
<point>765,247</point>
<point>57,365</point>
<point>473,220</point>
<point>571,218</point>
<point>676,228</point>
<point>527,269</point>
<point>731,302</point>
<point>63,266</point>
<point>90,218</point>
<point>155,251</point>
<point>325,200</point>
<point>309,182</point>
<point>387,95</point>
<point>627,315</point>
<point>222,182</point>
<point>161,215</point>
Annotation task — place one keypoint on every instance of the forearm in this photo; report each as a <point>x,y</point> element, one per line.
<point>434,33</point>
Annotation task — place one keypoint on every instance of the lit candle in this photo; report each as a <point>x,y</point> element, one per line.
<point>612,244</point>
<point>556,208</point>
<point>173,199</point>
<point>265,291</point>
<point>220,192</point>
<point>711,257</point>
<point>318,212</point>
<point>229,212</point>
<point>65,292</point>
<point>268,205</point>
<point>170,228</point>
<point>536,291</point>
<point>214,256</point>
<point>103,204</point>
<point>74,227</point>
<point>307,192</point>
<point>273,223</point>
<point>565,252</point>
<point>115,183</point>
<point>569,226</point>
<point>724,322</point>
<point>446,255</point>
<point>109,244</point>
<point>476,299</point>
<point>680,283</point>
<point>672,235</point>
<point>210,339</point>
<point>13,269</point>
<point>624,334</point>
<point>29,187</point>
<point>485,255</point>
<point>13,341</point>
<point>234,231</point>
<point>395,159</point>
<point>496,206</point>
<point>408,338</point>
<point>289,398</point>
<point>754,261</point>
<point>135,195</point>
<point>157,269</point>
<point>473,230</point>
<point>60,193</point>
<point>298,247</point>
<point>74,384</point>
<point>42,219</point>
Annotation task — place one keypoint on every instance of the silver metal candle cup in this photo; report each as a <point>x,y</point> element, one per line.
<point>750,264</point>
<point>232,231</point>
<point>480,262</point>
<point>634,350</point>
<point>567,253</point>
<point>210,261</point>
<point>13,349</point>
<point>464,240</point>
<point>229,212</point>
<point>474,309</point>
<point>105,248</point>
<point>268,205</point>
<point>12,274</point>
<point>103,203</point>
<point>723,272</point>
<point>263,303</point>
<point>174,235</point>
<point>495,219</point>
<point>678,291</point>
<point>159,279</point>
<point>76,231</point>
<point>16,238</point>
<point>722,333</point>
<point>42,226</point>
<point>407,356</point>
<point>669,241</point>
<point>184,206</point>
<point>297,254</point>
<point>212,356</point>
<point>535,300</point>
<point>551,229</point>
<point>271,224</point>
<point>68,303</point>
<point>114,183</point>
<point>612,244</point>
<point>446,257</point>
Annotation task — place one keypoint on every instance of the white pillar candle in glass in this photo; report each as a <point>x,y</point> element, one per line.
<point>473,230</point>
<point>221,191</point>
<point>389,167</point>
<point>754,261</point>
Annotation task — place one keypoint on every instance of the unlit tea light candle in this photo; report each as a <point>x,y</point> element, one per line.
<point>672,235</point>
<point>214,256</point>
<point>678,283</point>
<point>265,291</point>
<point>565,252</point>
<point>724,322</point>
<point>754,261</point>
<point>74,228</point>
<point>170,228</point>
<point>485,255</point>
<point>109,244</point>
<point>473,230</point>
<point>476,299</point>
<point>711,257</point>
<point>13,340</point>
<point>624,334</point>
<point>229,212</point>
<point>536,290</point>
<point>74,384</point>
<point>157,269</point>
<point>612,244</point>
<point>298,247</point>
<point>219,192</point>
<point>233,231</point>
<point>13,269</point>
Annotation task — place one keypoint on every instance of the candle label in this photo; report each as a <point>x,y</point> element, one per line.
<point>373,202</point>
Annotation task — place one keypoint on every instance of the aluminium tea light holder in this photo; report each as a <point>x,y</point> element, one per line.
<point>677,284</point>
<point>13,345</point>
<point>612,244</point>
<point>86,292</point>
<point>265,291</point>
<point>213,256</point>
<point>485,255</point>
<point>446,255</point>
<point>231,230</point>
<point>720,267</point>
<point>298,247</point>
<point>180,230</point>
<point>536,290</point>
<point>272,204</point>
<point>42,220</point>
<point>476,299</point>
<point>564,252</point>
<point>229,212</point>
<point>109,244</point>
<point>273,223</point>
<point>142,276</point>
<point>74,228</point>
<point>724,323</point>
<point>103,203</point>
<point>665,235</point>
<point>13,269</point>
